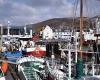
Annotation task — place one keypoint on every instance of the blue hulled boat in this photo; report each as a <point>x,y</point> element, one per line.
<point>13,56</point>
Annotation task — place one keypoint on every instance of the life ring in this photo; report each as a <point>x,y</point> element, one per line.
<point>38,52</point>
<point>37,49</point>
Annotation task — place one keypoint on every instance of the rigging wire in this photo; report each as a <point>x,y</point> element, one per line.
<point>90,11</point>
<point>74,12</point>
<point>87,14</point>
<point>73,23</point>
<point>87,8</point>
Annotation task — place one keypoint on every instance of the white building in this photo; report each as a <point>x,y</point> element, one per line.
<point>89,35</point>
<point>65,34</point>
<point>47,33</point>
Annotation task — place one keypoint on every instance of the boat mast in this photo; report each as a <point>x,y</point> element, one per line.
<point>8,28</point>
<point>81,27</point>
<point>79,64</point>
<point>1,27</point>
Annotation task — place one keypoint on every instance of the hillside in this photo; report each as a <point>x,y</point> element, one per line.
<point>59,22</point>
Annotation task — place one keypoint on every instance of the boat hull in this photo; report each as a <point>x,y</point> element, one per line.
<point>36,54</point>
<point>13,56</point>
<point>36,51</point>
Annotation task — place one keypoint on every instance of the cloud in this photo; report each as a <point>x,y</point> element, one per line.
<point>1,1</point>
<point>21,12</point>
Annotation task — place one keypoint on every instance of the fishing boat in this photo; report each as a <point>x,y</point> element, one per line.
<point>32,68</point>
<point>83,60</point>
<point>29,48</point>
<point>13,56</point>
<point>92,66</point>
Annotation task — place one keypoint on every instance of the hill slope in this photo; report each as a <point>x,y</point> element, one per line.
<point>59,22</point>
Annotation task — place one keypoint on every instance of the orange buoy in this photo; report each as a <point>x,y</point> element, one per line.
<point>4,67</point>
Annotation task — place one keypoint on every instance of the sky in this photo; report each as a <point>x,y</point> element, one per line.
<point>21,12</point>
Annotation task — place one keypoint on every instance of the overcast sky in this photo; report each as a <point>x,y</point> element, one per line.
<point>21,12</point>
